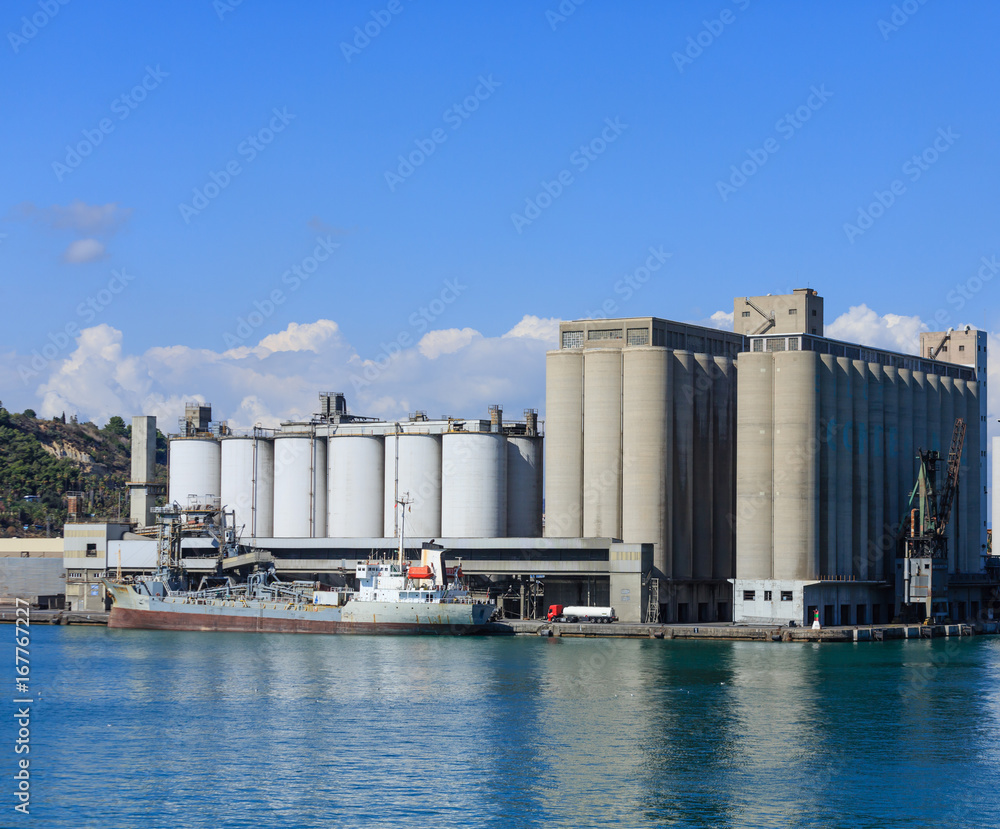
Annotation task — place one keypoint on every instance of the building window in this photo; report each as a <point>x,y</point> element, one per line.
<point>767,595</point>
<point>793,310</point>
<point>814,330</point>
<point>91,551</point>
<point>793,343</point>
<point>776,344</point>
<point>638,336</point>
<point>758,345</point>
<point>749,595</point>
<point>814,312</point>
<point>746,313</point>
<point>605,334</point>
<point>961,348</point>
<point>572,339</point>
<point>786,595</point>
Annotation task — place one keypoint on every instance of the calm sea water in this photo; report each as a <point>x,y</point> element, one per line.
<point>160,729</point>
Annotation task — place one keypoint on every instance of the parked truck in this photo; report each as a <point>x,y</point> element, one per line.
<point>570,613</point>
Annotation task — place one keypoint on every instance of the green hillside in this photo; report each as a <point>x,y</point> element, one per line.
<point>41,460</point>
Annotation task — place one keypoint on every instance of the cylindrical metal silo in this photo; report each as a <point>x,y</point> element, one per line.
<point>724,469</point>
<point>602,442</point>
<point>524,486</point>
<point>473,485</point>
<point>754,458</point>
<point>796,444</point>
<point>845,462</point>
<point>299,486</point>
<point>195,471</point>
<point>419,470</point>
<point>647,376</point>
<point>830,432</point>
<point>564,444</point>
<point>356,486</point>
<point>248,484</point>
<point>682,465</point>
<point>859,481</point>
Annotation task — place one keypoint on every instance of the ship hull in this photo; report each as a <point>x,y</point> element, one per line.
<point>135,611</point>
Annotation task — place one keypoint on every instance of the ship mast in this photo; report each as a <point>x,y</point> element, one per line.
<point>402,501</point>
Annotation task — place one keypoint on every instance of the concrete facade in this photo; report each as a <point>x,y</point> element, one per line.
<point>85,559</point>
<point>640,445</point>
<point>800,312</point>
<point>141,499</point>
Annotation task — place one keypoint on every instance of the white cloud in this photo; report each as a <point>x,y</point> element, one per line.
<point>537,328</point>
<point>722,320</point>
<point>84,250</point>
<point>454,371</point>
<point>78,216</point>
<point>890,331</point>
<point>446,341</point>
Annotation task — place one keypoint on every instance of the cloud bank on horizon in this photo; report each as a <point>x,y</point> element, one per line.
<point>455,371</point>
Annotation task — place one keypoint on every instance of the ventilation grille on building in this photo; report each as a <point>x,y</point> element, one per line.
<point>605,334</point>
<point>572,339</point>
<point>638,336</point>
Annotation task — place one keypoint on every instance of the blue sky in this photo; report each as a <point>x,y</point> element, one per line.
<point>433,293</point>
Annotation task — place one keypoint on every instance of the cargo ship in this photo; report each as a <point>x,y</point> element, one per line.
<point>390,597</point>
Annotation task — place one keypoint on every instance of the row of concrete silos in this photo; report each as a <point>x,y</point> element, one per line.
<point>641,447</point>
<point>457,484</point>
<point>827,455</point>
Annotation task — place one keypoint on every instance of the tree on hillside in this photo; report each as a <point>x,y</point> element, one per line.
<point>30,413</point>
<point>116,426</point>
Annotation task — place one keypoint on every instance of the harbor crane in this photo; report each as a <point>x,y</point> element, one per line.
<point>922,566</point>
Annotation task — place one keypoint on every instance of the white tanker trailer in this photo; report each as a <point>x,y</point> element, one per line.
<point>570,613</point>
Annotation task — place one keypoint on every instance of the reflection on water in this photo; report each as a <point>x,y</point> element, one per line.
<point>178,729</point>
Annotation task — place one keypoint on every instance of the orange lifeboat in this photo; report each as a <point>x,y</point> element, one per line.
<point>420,573</point>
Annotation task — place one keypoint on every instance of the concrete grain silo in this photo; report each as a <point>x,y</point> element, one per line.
<point>416,459</point>
<point>602,436</point>
<point>524,486</point>
<point>564,444</point>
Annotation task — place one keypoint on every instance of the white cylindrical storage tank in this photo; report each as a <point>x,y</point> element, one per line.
<point>564,443</point>
<point>796,492</point>
<point>602,442</point>
<point>356,486</point>
<point>299,486</point>
<point>524,486</point>
<point>195,471</point>
<point>419,470</point>
<point>473,485</point>
<point>248,484</point>
<point>754,433</point>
